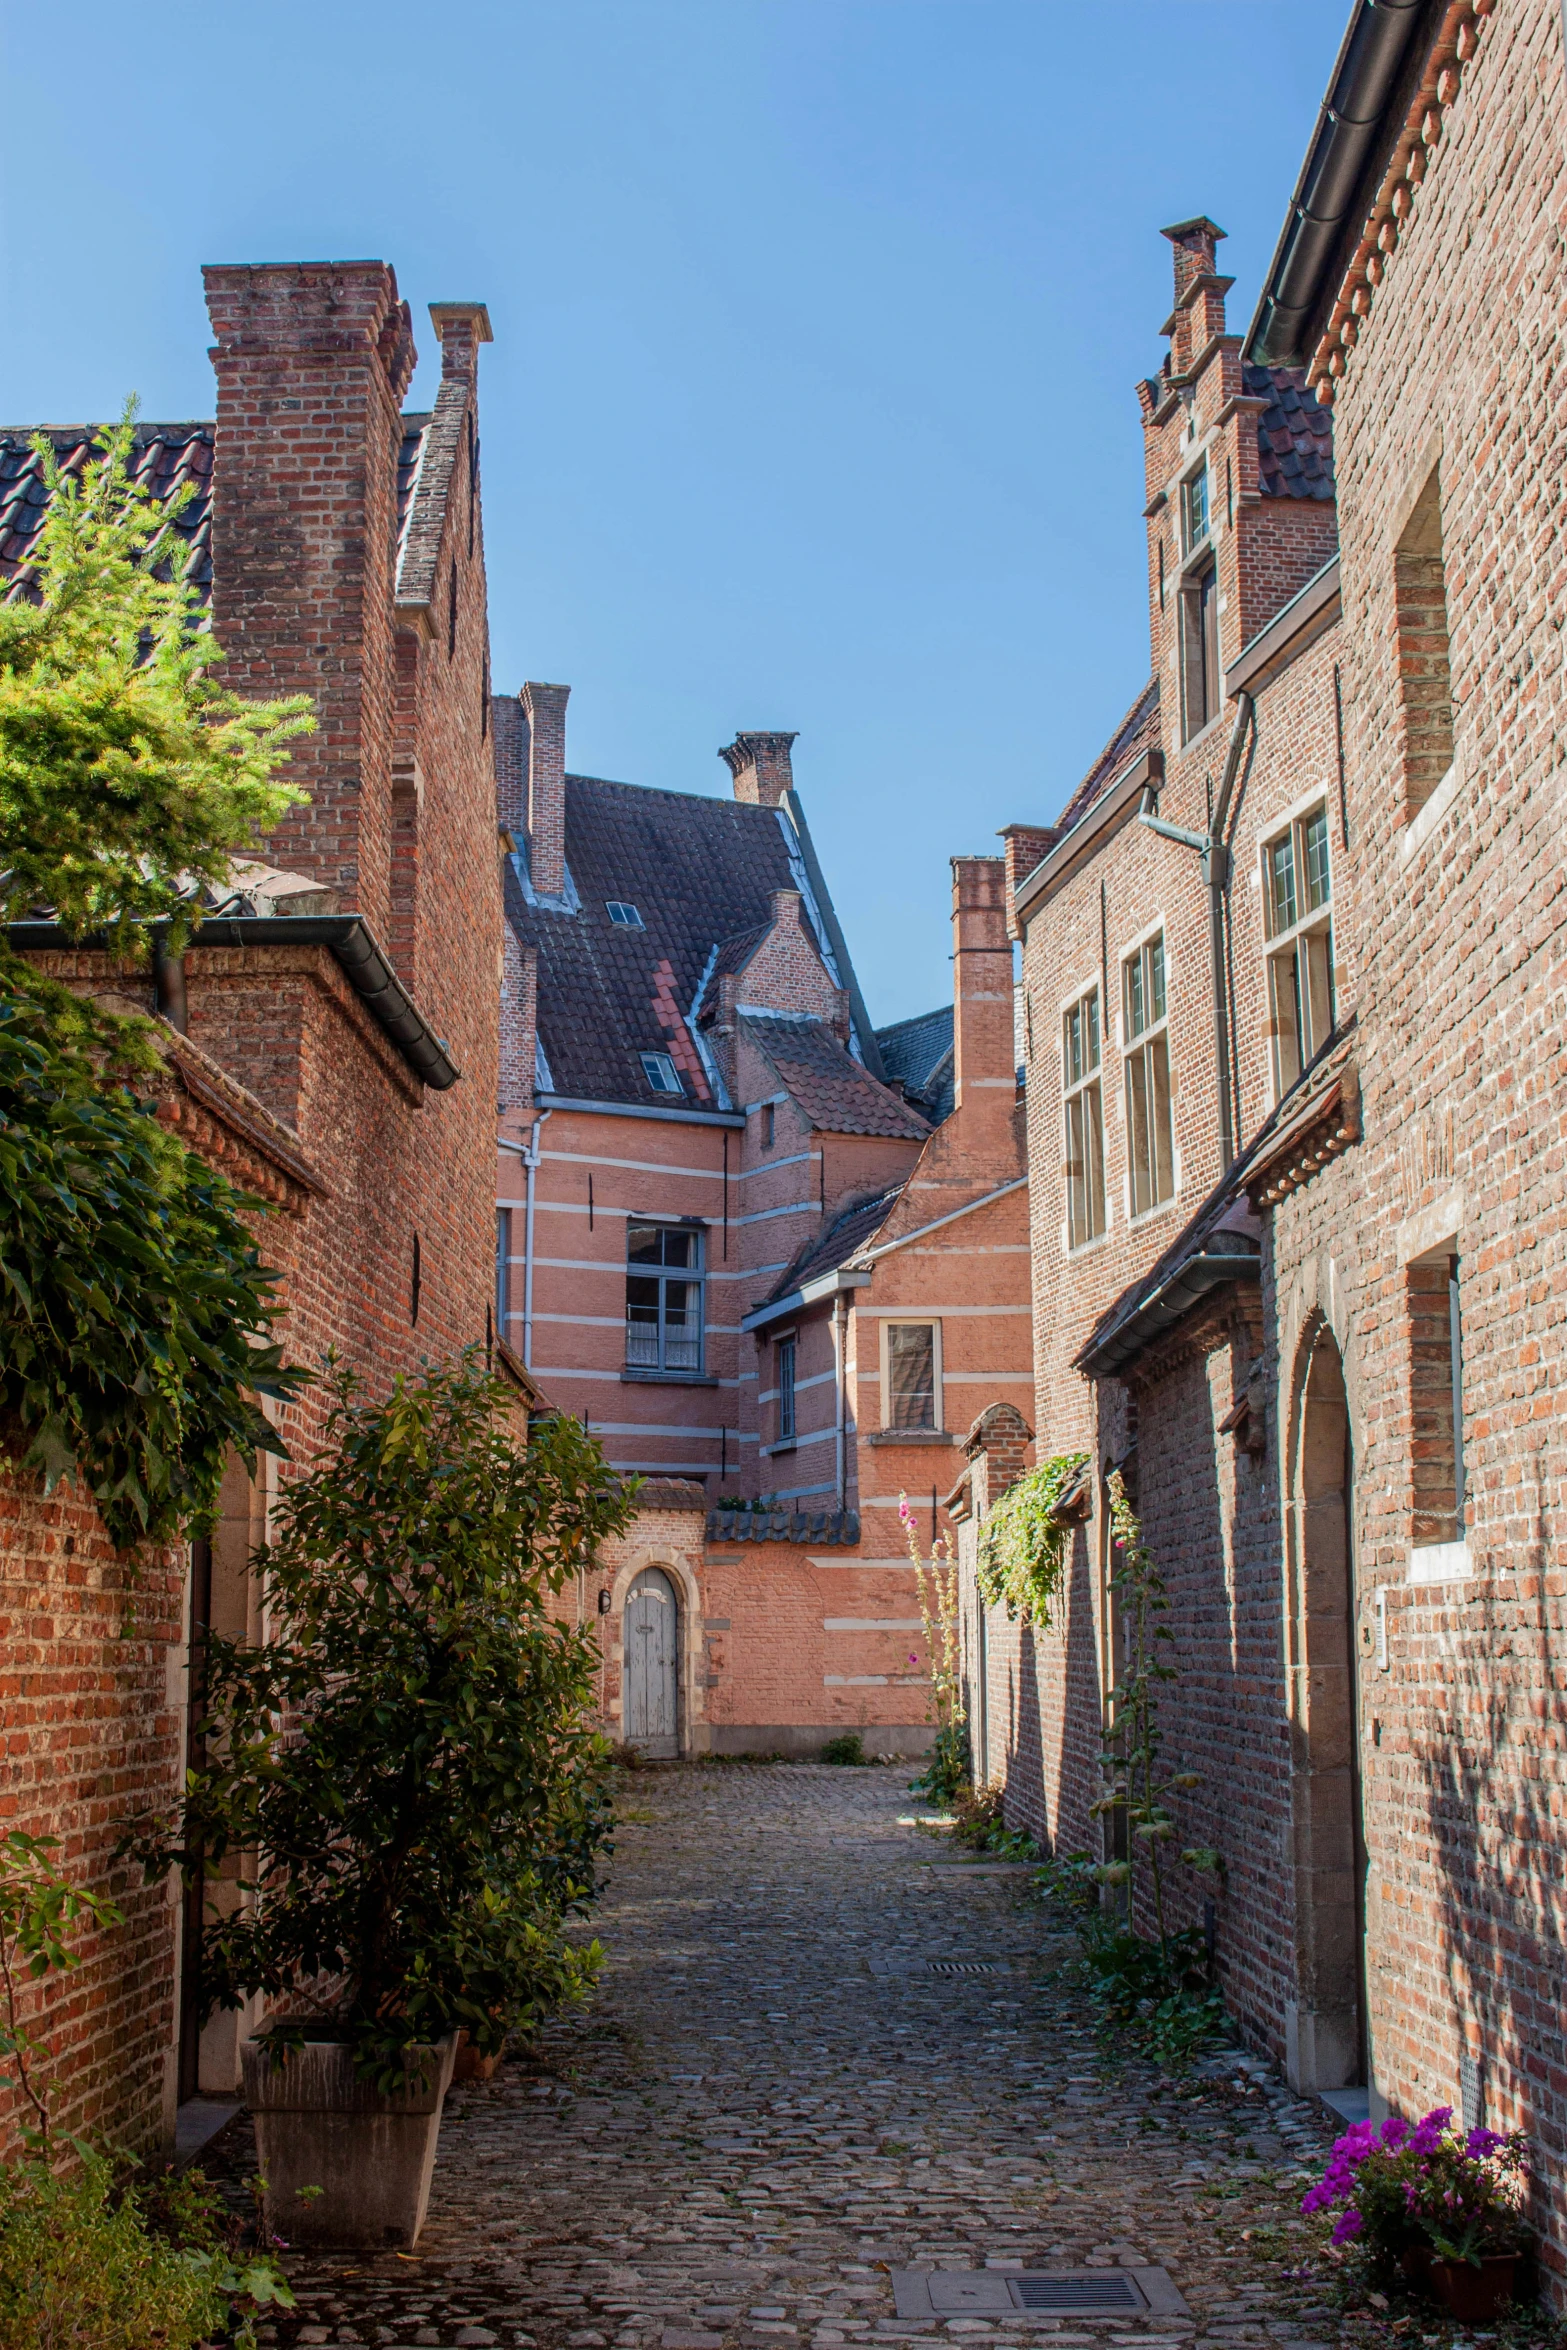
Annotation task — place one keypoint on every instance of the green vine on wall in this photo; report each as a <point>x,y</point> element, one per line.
<point>135,1311</point>
<point>1022,1545</point>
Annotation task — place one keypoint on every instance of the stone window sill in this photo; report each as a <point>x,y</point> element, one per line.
<point>667,1379</point>
<point>912,1436</point>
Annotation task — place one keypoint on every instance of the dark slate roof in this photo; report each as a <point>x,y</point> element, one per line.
<point>837,1094</point>
<point>167,455</point>
<point>697,870</point>
<point>1294,434</point>
<point>855,1229</point>
<point>918,1053</point>
<point>1137,732</point>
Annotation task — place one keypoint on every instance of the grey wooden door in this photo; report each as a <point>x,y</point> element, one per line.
<point>652,1652</point>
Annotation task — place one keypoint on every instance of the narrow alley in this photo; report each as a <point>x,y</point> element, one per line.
<point>825,2052</point>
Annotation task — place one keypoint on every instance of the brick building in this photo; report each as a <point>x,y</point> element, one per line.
<point>330,1041</point>
<point>749,1240</point>
<point>1322,1339</point>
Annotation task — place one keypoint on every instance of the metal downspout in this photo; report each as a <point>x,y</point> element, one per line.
<point>530,1161</point>
<point>840,1329</point>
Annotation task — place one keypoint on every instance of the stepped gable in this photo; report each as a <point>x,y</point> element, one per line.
<point>835,1091</point>
<point>696,869</point>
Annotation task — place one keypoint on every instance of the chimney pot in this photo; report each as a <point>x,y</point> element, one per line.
<point>460,327</point>
<point>761,767</point>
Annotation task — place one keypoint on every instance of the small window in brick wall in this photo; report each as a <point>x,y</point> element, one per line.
<point>785,1352</point>
<point>1436,1391</point>
<point>1297,908</point>
<point>911,1374</point>
<point>1150,1134</point>
<point>1197,619</point>
<point>1084,1112</point>
<point>415,1285</point>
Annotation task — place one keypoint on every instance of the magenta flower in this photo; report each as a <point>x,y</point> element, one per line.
<point>1348,2227</point>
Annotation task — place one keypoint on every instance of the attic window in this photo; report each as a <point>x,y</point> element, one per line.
<point>623,916</point>
<point>659,1070</point>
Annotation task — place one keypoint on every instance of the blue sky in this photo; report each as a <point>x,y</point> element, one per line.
<point>817,322</point>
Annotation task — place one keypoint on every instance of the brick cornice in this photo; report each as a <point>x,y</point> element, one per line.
<point>1456,41</point>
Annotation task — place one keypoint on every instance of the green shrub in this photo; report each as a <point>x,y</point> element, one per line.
<point>1159,1996</point>
<point>1071,1881</point>
<point>949,1769</point>
<point>850,1748</point>
<point>436,1815</point>
<point>81,2270</point>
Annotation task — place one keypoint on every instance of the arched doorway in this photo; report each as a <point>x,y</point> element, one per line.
<point>1330,2037</point>
<point>651,1671</point>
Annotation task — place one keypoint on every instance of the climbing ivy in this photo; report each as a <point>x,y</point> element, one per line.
<point>134,1309</point>
<point>1022,1549</point>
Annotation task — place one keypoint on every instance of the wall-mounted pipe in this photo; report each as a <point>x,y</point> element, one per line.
<point>1215,855</point>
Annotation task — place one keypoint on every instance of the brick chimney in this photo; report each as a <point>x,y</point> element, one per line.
<point>544,706</point>
<point>312,361</point>
<point>1198,314</point>
<point>460,327</point>
<point>984,1060</point>
<point>761,767</point>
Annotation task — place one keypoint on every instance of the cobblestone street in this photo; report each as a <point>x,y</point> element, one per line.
<point>774,2103</point>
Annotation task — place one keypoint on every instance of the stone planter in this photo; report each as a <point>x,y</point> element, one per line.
<point>319,2125</point>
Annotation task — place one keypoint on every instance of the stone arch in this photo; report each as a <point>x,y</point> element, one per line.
<point>1326,2023</point>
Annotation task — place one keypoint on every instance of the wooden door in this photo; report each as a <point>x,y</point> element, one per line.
<point>652,1664</point>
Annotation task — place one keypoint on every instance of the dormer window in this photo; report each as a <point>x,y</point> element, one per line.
<point>624,916</point>
<point>661,1074</point>
<point>1194,508</point>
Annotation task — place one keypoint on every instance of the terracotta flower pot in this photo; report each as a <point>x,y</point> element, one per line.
<point>319,2125</point>
<point>1474,2295</point>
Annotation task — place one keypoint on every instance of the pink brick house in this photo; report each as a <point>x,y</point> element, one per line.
<point>748,1239</point>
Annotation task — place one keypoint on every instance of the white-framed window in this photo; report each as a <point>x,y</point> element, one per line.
<point>1195,518</point>
<point>1083,1113</point>
<point>911,1375</point>
<point>1150,1134</point>
<point>663,1298</point>
<point>661,1073</point>
<point>623,914</point>
<point>784,1353</point>
<point>1297,913</point>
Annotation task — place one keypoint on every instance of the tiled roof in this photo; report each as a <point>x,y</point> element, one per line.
<point>697,870</point>
<point>836,1093</point>
<point>167,455</point>
<point>855,1229</point>
<point>758,1522</point>
<point>1294,435</point>
<point>918,1053</point>
<point>1137,732</point>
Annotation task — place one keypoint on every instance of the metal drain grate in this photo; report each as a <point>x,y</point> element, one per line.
<point>1059,2292</point>
<point>1109,2289</point>
<point>911,1963</point>
<point>962,1966</point>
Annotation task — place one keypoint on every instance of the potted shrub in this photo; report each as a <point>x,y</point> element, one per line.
<point>431,1814</point>
<point>1442,2205</point>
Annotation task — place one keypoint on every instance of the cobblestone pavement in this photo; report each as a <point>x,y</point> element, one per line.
<point>772,2105</point>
